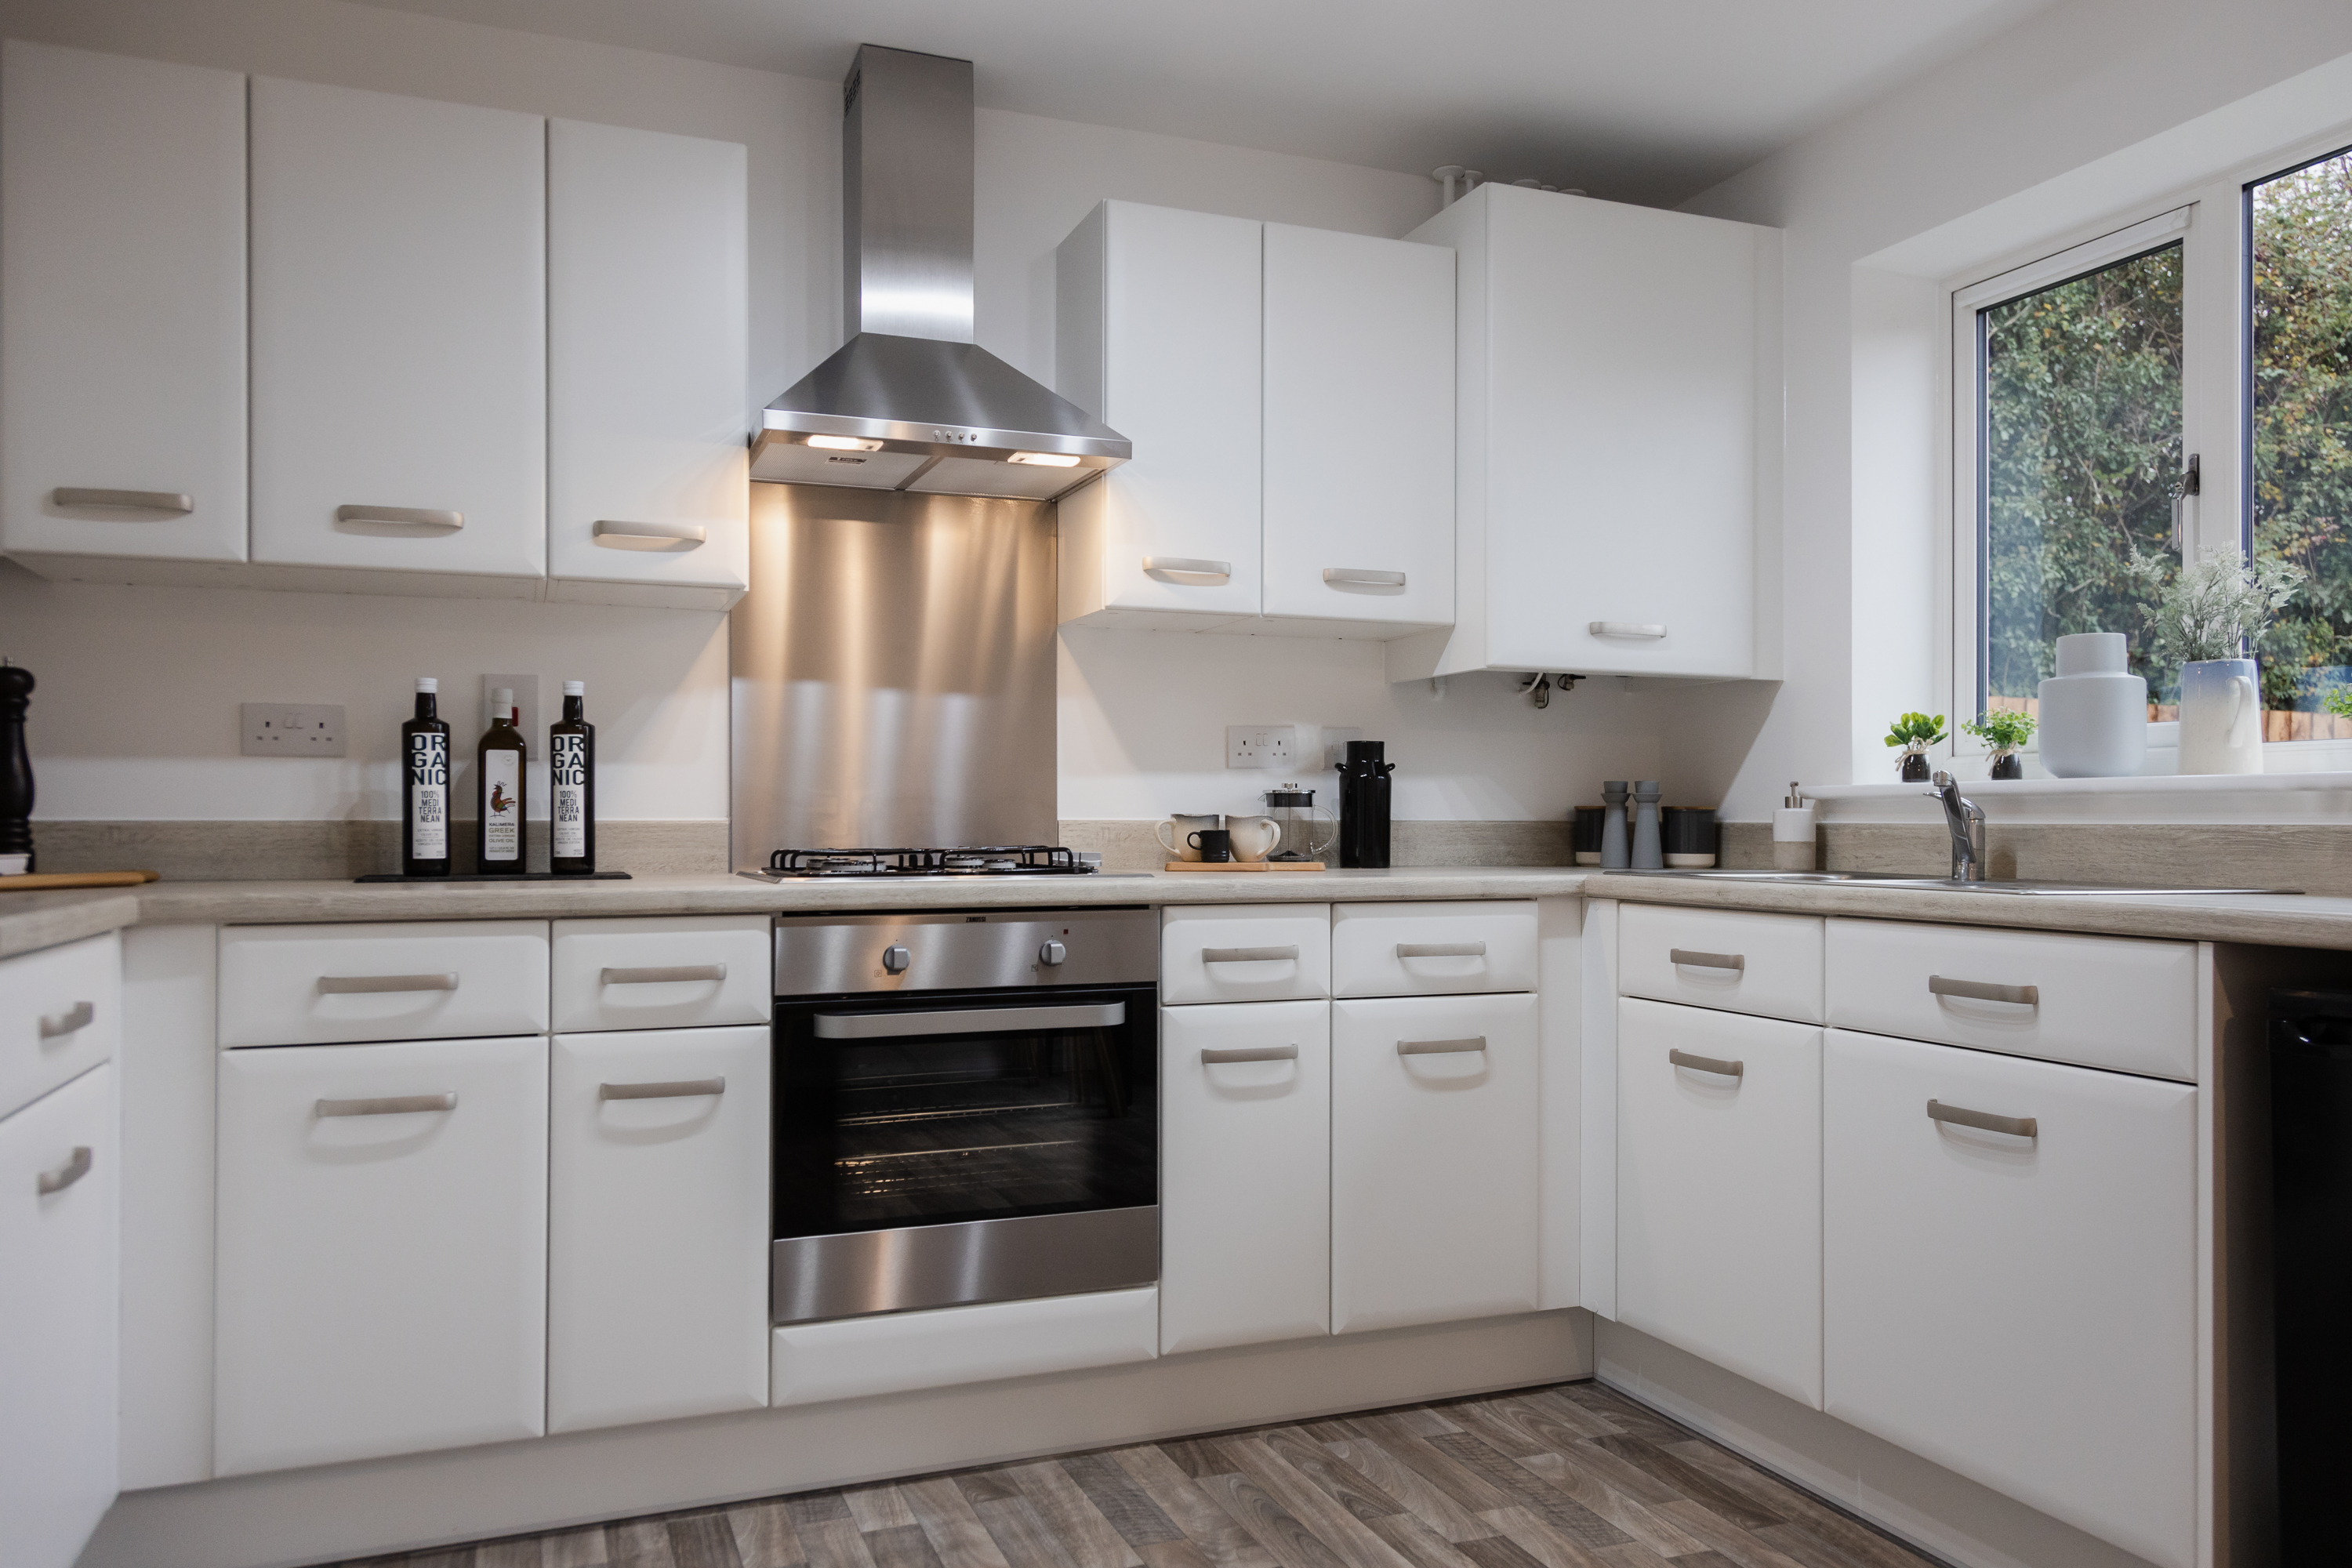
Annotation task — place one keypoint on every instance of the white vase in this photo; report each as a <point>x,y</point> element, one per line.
<point>2221,717</point>
<point>2094,720</point>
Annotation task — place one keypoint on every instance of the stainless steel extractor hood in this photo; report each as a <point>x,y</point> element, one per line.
<point>910,402</point>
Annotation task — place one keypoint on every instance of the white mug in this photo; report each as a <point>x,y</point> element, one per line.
<point>1182,826</point>
<point>1255,838</point>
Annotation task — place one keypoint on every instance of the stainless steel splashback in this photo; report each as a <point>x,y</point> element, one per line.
<point>893,668</point>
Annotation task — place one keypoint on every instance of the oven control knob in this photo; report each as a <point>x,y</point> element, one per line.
<point>895,959</point>
<point>1052,953</point>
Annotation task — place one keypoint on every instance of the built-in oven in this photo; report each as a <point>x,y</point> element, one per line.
<point>967,1108</point>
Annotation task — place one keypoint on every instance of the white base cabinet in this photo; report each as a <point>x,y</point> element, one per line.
<point>1719,1189</point>
<point>2018,1309</point>
<point>658,1226</point>
<point>59,1164</point>
<point>1435,1133</point>
<point>380,1274</point>
<point>1244,1173</point>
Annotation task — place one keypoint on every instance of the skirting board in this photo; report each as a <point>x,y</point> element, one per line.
<point>428,1499</point>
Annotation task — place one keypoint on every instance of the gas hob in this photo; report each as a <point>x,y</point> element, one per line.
<point>975,860</point>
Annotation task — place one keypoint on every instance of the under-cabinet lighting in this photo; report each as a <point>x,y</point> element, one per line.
<point>843,444</point>
<point>1044,459</point>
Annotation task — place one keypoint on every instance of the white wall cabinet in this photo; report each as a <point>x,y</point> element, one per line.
<point>399,332</point>
<point>2020,1309</point>
<point>1618,371</point>
<point>647,352</point>
<point>59,1163</point>
<point>1244,1173</point>
<point>1434,1133</point>
<point>122,307</point>
<point>381,1281</point>
<point>1719,1189</point>
<point>658,1226</point>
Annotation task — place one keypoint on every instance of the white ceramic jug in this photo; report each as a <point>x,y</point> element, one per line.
<point>1255,838</point>
<point>1174,833</point>
<point>2221,717</point>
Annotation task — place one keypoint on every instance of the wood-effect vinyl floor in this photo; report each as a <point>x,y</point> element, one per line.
<point>1570,1477</point>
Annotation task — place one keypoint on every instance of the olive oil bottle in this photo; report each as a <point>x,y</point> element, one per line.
<point>571,787</point>
<point>425,801</point>
<point>499,841</point>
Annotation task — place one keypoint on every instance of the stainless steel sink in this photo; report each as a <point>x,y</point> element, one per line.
<point>2016,888</point>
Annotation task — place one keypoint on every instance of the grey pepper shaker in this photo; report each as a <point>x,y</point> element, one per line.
<point>1613,826</point>
<point>1649,854</point>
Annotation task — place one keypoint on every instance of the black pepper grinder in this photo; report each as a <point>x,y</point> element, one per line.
<point>15,770</point>
<point>1364,789</point>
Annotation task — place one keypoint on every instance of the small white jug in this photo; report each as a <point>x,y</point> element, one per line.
<point>2221,717</point>
<point>1255,838</point>
<point>1182,826</point>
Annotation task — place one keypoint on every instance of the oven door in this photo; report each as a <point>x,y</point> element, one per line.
<point>975,1146</point>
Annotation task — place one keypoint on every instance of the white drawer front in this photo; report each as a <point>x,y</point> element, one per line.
<point>60,1014</point>
<point>1731,958</point>
<point>2102,1002</point>
<point>1428,950</point>
<point>1261,952</point>
<point>897,1351</point>
<point>301,985</point>
<point>662,973</point>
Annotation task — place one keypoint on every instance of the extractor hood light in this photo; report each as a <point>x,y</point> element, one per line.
<point>843,444</point>
<point>1044,459</point>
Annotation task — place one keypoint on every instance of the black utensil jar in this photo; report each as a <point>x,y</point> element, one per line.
<point>1364,805</point>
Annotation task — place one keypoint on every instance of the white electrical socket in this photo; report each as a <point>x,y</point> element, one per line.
<point>290,728</point>
<point>1335,745</point>
<point>1261,745</point>
<point>526,696</point>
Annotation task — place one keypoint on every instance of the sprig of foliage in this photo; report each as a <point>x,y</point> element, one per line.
<point>1916,732</point>
<point>2002,729</point>
<point>2339,701</point>
<point>2216,605</point>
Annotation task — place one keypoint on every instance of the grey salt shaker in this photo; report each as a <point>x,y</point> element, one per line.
<point>1613,826</point>
<point>1649,853</point>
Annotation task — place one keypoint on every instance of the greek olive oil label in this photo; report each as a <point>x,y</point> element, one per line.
<point>568,809</point>
<point>503,806</point>
<point>428,796</point>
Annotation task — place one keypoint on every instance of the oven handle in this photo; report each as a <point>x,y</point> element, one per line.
<point>966,1020</point>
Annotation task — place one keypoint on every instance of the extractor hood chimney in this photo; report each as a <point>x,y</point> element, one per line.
<point>910,402</point>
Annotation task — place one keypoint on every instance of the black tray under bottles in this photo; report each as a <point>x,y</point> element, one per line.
<point>502,877</point>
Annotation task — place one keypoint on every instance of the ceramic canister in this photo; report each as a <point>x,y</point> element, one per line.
<point>2094,710</point>
<point>2221,717</point>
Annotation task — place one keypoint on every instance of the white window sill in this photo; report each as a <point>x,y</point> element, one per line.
<point>2315,795</point>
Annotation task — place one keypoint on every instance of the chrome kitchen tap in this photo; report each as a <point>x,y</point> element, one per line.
<point>1967,821</point>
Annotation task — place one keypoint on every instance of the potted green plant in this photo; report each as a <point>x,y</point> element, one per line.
<point>1915,732</point>
<point>2205,617</point>
<point>2005,729</point>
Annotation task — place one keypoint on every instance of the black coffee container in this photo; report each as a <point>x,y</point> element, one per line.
<point>1364,805</point>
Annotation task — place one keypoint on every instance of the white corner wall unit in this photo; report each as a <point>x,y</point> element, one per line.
<point>648,356</point>
<point>1618,426</point>
<point>123,294</point>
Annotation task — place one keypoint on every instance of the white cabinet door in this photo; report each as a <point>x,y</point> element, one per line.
<point>59,1189</point>
<point>1244,1173</point>
<point>1158,335</point>
<point>1434,1160</point>
<point>399,332</point>
<point>658,1226</point>
<point>1244,952</point>
<point>121,306</point>
<point>648,358</point>
<point>1719,1189</point>
<point>380,1282</point>
<point>1428,949</point>
<point>1359,428</point>
<point>2020,1309</point>
<point>60,1014</point>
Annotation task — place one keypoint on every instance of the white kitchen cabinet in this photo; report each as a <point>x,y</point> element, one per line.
<point>60,1016</point>
<point>1244,952</point>
<point>1434,1125</point>
<point>381,1276</point>
<point>314,984</point>
<point>661,972</point>
<point>658,1226</point>
<point>1358,435</point>
<point>1430,949</point>
<point>1618,376</point>
<point>1244,1173</point>
<point>1740,961</point>
<point>122,307</point>
<point>1157,335</point>
<point>647,352</point>
<point>60,1160</point>
<point>1719,1189</point>
<point>399,374</point>
<point>2021,1308</point>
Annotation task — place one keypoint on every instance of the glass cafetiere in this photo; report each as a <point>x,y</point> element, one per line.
<point>1307,830</point>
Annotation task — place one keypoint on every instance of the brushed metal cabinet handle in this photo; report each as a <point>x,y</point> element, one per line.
<point>1355,577</point>
<point>1708,1064</point>
<point>660,976</point>
<point>678,1089</point>
<point>1985,991</point>
<point>1441,950</point>
<point>1440,1048</point>
<point>178,503</point>
<point>614,535</point>
<point>72,1021</point>
<point>1625,629</point>
<point>75,1167</point>
<point>968,1021</point>
<point>2018,1126</point>
<point>1253,1054</point>
<point>1687,958</point>
<point>388,1105</point>
<point>1186,566</point>
<point>1249,954</point>
<point>356,984</point>
<point>427,519</point>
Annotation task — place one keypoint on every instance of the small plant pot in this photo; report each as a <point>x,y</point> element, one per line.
<point>2009,766</point>
<point>1915,767</point>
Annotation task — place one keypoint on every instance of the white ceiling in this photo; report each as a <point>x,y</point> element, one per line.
<point>1636,99</point>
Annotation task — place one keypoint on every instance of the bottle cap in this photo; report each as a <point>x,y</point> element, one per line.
<point>427,683</point>
<point>575,688</point>
<point>502,699</point>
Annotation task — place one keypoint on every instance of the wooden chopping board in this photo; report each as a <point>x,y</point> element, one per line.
<point>1246,865</point>
<point>39,881</point>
